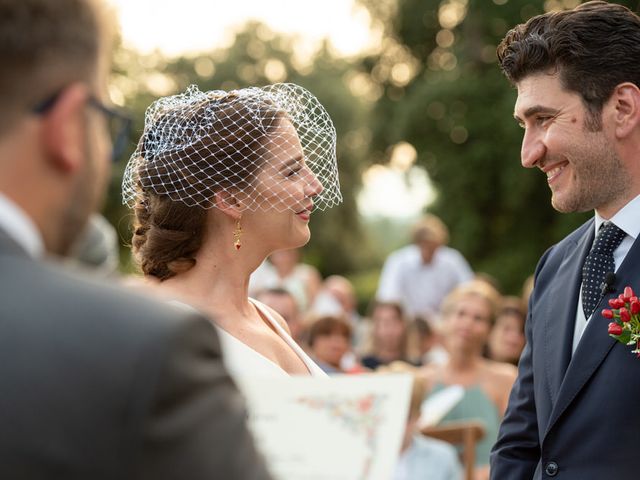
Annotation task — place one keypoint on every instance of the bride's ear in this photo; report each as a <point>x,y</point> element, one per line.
<point>228,203</point>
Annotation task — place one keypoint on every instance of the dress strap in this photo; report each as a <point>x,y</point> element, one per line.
<point>313,368</point>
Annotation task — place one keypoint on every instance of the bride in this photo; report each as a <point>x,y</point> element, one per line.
<point>219,181</point>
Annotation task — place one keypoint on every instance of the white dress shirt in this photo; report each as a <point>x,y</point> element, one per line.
<point>420,287</point>
<point>17,225</point>
<point>626,220</point>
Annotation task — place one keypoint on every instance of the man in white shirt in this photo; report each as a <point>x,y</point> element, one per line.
<point>420,275</point>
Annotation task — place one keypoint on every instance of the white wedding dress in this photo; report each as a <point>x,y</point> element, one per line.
<point>242,361</point>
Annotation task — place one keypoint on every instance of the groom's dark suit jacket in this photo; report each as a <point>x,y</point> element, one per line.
<point>572,417</point>
<point>96,383</point>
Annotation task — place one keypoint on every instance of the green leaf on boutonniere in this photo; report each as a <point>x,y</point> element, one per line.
<point>624,337</point>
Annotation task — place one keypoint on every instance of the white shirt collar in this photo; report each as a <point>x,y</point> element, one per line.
<point>626,219</point>
<point>17,224</point>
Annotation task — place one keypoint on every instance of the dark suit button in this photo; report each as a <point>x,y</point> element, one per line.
<point>551,469</point>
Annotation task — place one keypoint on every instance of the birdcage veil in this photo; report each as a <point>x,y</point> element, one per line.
<point>197,143</point>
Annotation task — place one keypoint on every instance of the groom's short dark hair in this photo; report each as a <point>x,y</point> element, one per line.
<point>594,48</point>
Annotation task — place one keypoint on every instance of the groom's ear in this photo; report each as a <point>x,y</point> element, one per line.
<point>228,203</point>
<point>626,102</point>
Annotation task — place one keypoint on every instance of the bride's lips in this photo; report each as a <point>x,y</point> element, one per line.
<point>305,214</point>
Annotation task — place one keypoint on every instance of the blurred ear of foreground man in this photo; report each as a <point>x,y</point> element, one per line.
<point>95,383</point>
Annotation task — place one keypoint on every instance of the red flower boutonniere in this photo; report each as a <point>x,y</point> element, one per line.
<point>625,313</point>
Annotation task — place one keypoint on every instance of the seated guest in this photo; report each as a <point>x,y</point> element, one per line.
<point>337,297</point>
<point>428,343</point>
<point>285,269</point>
<point>329,340</point>
<point>468,314</point>
<point>389,336</point>
<point>284,303</point>
<point>506,340</point>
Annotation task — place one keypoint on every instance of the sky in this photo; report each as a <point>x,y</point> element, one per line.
<point>178,27</point>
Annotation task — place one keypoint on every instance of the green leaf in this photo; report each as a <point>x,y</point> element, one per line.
<point>624,337</point>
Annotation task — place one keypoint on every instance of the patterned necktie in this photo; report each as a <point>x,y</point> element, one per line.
<point>597,264</point>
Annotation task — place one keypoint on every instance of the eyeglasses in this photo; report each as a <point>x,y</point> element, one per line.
<point>119,122</point>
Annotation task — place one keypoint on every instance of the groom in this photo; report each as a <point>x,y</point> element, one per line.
<point>573,412</point>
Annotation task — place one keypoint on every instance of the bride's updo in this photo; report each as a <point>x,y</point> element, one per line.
<point>175,187</point>
<point>197,144</point>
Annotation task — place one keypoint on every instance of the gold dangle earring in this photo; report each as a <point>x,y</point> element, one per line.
<point>237,235</point>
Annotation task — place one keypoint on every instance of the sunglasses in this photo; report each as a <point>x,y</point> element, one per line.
<point>119,122</point>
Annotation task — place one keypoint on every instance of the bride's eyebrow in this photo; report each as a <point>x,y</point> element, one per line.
<point>292,162</point>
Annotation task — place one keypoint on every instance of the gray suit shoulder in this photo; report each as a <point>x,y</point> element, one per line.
<point>131,387</point>
<point>45,292</point>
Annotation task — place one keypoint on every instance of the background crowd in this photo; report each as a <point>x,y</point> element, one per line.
<point>468,334</point>
<point>431,312</point>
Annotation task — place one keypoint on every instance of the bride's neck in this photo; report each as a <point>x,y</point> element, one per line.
<point>210,287</point>
<point>218,280</point>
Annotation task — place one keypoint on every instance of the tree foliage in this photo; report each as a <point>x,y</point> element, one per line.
<point>456,110</point>
<point>259,57</point>
<point>435,84</point>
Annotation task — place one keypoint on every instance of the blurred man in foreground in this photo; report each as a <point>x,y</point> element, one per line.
<point>95,383</point>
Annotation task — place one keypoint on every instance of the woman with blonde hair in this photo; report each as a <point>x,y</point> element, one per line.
<point>219,181</point>
<point>468,314</point>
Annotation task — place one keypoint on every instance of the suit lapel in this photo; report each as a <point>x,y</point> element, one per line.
<point>561,312</point>
<point>595,343</point>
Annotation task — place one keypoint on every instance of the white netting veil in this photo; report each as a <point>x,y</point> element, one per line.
<point>270,147</point>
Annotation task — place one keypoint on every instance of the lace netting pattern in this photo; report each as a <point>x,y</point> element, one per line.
<point>252,143</point>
